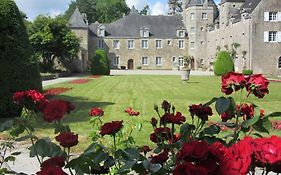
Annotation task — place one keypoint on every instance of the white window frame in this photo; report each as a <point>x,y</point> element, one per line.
<point>158,61</point>
<point>181,62</point>
<point>101,31</point>
<point>174,59</point>
<point>116,44</point>
<point>192,30</point>
<point>158,44</point>
<point>143,45</point>
<point>169,42</point>
<point>192,45</point>
<point>272,36</point>
<point>116,61</point>
<point>192,16</point>
<point>143,62</point>
<point>181,44</point>
<point>130,44</point>
<point>204,16</point>
<point>100,44</point>
<point>144,33</point>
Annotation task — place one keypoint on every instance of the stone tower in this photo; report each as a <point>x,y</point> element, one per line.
<point>197,16</point>
<point>79,25</point>
<point>227,9</point>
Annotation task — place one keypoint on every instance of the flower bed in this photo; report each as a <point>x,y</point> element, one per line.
<point>95,76</point>
<point>197,147</point>
<point>79,81</point>
<point>55,91</point>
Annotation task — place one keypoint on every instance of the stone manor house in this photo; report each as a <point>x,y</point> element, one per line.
<point>251,28</point>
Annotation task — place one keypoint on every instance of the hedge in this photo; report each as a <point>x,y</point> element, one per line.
<point>17,70</point>
<point>100,64</point>
<point>224,63</point>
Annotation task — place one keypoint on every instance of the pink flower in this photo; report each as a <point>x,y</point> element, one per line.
<point>96,112</point>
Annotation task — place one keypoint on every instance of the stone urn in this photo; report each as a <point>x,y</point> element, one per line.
<point>185,74</point>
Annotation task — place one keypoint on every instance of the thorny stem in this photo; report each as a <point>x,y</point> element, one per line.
<point>67,160</point>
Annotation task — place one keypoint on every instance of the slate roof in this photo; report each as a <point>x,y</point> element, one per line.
<point>232,1</point>
<point>250,5</point>
<point>200,3</point>
<point>77,20</point>
<point>129,26</point>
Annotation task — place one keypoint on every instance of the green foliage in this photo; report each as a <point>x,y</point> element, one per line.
<point>51,39</point>
<point>223,64</point>
<point>145,11</point>
<point>100,63</point>
<point>18,71</point>
<point>247,72</point>
<point>104,11</point>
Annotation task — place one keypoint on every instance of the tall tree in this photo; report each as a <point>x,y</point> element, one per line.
<point>103,11</point>
<point>51,38</point>
<point>145,11</point>
<point>17,70</point>
<point>175,6</point>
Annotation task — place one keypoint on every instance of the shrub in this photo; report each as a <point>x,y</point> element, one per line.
<point>224,64</point>
<point>247,72</point>
<point>100,63</point>
<point>17,70</point>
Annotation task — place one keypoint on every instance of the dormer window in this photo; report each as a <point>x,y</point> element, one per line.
<point>181,33</point>
<point>144,32</point>
<point>101,31</point>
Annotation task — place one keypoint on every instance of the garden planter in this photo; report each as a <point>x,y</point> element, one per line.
<point>185,75</point>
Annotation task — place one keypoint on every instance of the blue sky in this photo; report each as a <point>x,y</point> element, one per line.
<point>54,7</point>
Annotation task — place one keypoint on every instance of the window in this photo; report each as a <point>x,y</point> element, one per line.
<point>130,44</point>
<point>192,16</point>
<point>174,59</point>
<point>279,63</point>
<point>144,61</point>
<point>144,33</point>
<point>101,31</point>
<point>272,36</point>
<point>204,16</point>
<point>144,44</point>
<point>158,44</point>
<point>202,42</point>
<point>272,16</point>
<point>181,33</point>
<point>192,45</point>
<point>116,61</point>
<point>100,44</point>
<point>181,44</point>
<point>116,44</point>
<point>181,62</point>
<point>169,42</point>
<point>158,61</point>
<point>192,30</point>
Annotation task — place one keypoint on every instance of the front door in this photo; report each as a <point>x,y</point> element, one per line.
<point>130,64</point>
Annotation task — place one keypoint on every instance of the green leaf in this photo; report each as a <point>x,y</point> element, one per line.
<point>222,105</point>
<point>10,159</point>
<point>275,114</point>
<point>23,138</point>
<point>228,124</point>
<point>185,131</point>
<point>6,125</point>
<point>16,153</point>
<point>250,122</point>
<point>263,125</point>
<point>212,130</point>
<point>211,102</point>
<point>128,165</point>
<point>151,167</point>
<point>258,135</point>
<point>139,126</point>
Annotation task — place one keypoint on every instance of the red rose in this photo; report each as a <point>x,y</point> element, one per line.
<point>97,112</point>
<point>145,149</point>
<point>258,85</point>
<point>193,150</point>
<point>246,111</point>
<point>51,170</point>
<point>237,159</point>
<point>67,139</point>
<point>160,158</point>
<point>54,110</point>
<point>267,150</point>
<point>188,168</point>
<point>69,106</point>
<point>154,122</point>
<point>111,128</point>
<point>232,80</point>
<point>201,111</point>
<point>218,150</point>
<point>131,112</point>
<point>226,116</point>
<point>160,134</point>
<point>175,119</point>
<point>31,99</point>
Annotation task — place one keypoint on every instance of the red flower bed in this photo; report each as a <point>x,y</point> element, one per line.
<point>95,76</point>
<point>276,81</point>
<point>79,81</point>
<point>56,91</point>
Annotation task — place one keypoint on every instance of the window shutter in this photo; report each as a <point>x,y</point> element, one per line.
<point>266,35</point>
<point>279,36</point>
<point>266,16</point>
<point>279,16</point>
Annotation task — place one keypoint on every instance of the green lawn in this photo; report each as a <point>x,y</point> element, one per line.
<point>116,93</point>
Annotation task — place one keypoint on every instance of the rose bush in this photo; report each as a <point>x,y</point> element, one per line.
<point>183,145</point>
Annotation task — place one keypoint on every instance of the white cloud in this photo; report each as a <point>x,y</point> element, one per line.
<point>159,8</point>
<point>54,12</point>
<point>139,4</point>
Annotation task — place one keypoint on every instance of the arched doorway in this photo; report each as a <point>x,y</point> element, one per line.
<point>192,64</point>
<point>130,64</point>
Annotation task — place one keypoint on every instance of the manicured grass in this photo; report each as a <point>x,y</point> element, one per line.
<point>115,93</point>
